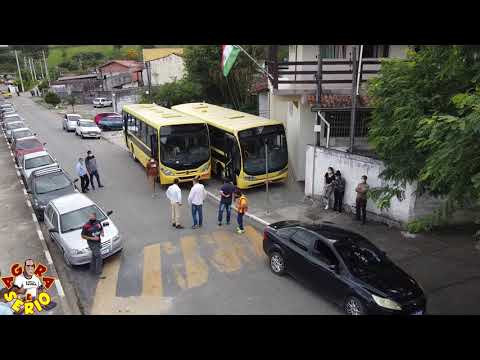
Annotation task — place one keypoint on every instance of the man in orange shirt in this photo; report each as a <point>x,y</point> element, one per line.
<point>242,207</point>
<point>152,173</point>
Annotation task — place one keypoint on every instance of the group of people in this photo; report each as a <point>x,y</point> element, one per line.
<point>86,170</point>
<point>335,184</point>
<point>196,198</point>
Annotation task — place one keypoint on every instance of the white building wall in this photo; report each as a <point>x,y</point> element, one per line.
<point>263,105</point>
<point>165,70</point>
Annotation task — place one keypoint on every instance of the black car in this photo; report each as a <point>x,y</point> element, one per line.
<point>48,184</point>
<point>344,266</point>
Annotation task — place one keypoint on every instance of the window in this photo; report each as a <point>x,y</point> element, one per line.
<point>375,51</point>
<point>55,221</point>
<point>287,232</point>
<point>324,253</point>
<point>217,138</point>
<point>303,239</point>
<point>49,212</point>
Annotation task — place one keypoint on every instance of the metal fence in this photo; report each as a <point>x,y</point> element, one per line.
<point>339,121</point>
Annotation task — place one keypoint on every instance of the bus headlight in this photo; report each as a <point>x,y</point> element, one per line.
<point>166,171</point>
<point>249,177</point>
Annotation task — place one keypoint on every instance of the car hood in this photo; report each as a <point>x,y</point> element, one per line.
<point>89,129</point>
<point>74,239</point>
<point>390,281</point>
<point>43,199</point>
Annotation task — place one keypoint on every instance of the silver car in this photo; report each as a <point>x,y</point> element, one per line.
<point>65,217</point>
<point>35,161</point>
<point>69,122</point>
<point>11,126</point>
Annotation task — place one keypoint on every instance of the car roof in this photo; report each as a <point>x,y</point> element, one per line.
<point>20,129</point>
<point>47,171</point>
<point>87,120</point>
<point>35,154</point>
<point>15,122</point>
<point>71,202</point>
<point>73,115</point>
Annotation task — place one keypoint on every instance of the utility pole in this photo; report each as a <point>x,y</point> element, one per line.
<point>46,68</point>
<point>33,66</point>
<point>149,75</point>
<point>30,66</point>
<point>19,71</point>
<point>354,99</point>
<point>41,70</point>
<point>266,178</point>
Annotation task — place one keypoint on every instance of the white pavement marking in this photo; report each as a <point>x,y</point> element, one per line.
<point>34,217</point>
<point>49,258</point>
<point>59,288</point>
<point>256,218</point>
<point>18,173</point>
<point>24,192</point>
<point>29,204</point>
<point>40,235</point>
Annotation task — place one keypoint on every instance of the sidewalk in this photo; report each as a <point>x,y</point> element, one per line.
<point>446,263</point>
<point>20,235</point>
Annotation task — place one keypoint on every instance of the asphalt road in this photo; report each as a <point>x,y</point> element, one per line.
<point>162,270</point>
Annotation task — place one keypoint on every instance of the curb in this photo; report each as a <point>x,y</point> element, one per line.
<point>253,217</point>
<point>63,303</point>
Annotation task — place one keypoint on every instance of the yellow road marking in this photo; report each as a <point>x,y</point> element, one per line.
<point>169,248</point>
<point>229,252</point>
<point>256,239</point>
<point>178,270</point>
<point>195,267</point>
<point>152,271</point>
<point>106,288</point>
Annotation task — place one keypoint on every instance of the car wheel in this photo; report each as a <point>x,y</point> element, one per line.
<point>83,137</point>
<point>354,306</point>
<point>133,153</point>
<point>277,263</point>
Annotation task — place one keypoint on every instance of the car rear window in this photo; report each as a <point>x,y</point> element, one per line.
<point>27,144</point>
<point>22,133</point>
<point>73,118</point>
<point>38,161</point>
<point>113,119</point>
<point>11,126</point>
<point>87,124</point>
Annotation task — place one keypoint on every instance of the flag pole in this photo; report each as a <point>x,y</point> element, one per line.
<point>256,63</point>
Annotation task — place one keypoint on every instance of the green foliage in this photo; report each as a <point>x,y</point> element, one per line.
<point>426,121</point>
<point>383,195</point>
<point>175,93</point>
<point>71,100</point>
<point>43,85</point>
<point>52,98</point>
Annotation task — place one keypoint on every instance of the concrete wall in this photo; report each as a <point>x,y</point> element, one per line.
<point>166,70</point>
<point>263,105</point>
<point>352,168</point>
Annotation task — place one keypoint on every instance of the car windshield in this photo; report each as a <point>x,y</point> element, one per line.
<point>38,161</point>
<point>359,255</point>
<point>252,142</point>
<point>87,124</point>
<point>27,144</point>
<point>18,125</point>
<point>184,146</point>
<point>73,118</point>
<point>114,119</point>
<point>13,118</point>
<point>75,220</point>
<point>51,182</point>
<point>21,134</point>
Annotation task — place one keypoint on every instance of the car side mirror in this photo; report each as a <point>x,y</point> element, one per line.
<point>110,212</point>
<point>52,230</point>
<point>106,224</point>
<point>44,144</point>
<point>29,191</point>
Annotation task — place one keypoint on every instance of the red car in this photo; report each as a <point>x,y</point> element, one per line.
<point>27,145</point>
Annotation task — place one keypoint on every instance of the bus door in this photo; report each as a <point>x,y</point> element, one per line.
<point>232,165</point>
<point>125,127</point>
<point>154,146</point>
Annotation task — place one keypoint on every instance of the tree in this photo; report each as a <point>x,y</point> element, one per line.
<point>52,98</point>
<point>133,54</point>
<point>175,93</point>
<point>426,123</point>
<point>71,100</point>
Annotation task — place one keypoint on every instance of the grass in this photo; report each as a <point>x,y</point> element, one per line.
<point>55,55</point>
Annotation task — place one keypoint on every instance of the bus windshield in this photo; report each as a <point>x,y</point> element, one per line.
<point>252,142</point>
<point>184,147</point>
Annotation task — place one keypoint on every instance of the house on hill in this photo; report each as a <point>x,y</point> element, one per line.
<point>121,74</point>
<point>163,65</point>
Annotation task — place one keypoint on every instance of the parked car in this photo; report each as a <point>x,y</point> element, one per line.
<point>26,146</point>
<point>21,133</point>
<point>102,102</point>
<point>6,94</point>
<point>35,161</point>
<point>87,128</point>
<point>111,122</point>
<point>344,266</point>
<point>69,122</point>
<point>12,126</point>
<point>10,118</point>
<point>5,110</point>
<point>48,184</point>
<point>65,217</point>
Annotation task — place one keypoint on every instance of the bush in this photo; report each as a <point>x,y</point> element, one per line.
<point>175,93</point>
<point>52,98</point>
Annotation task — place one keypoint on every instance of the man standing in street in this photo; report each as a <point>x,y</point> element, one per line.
<point>174,194</point>
<point>226,194</point>
<point>361,202</point>
<point>92,232</point>
<point>82,174</point>
<point>152,173</point>
<point>338,191</point>
<point>195,199</point>
<point>242,208</point>
<point>91,165</point>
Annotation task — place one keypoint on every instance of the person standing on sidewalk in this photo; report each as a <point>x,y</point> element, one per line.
<point>338,191</point>
<point>226,194</point>
<point>91,165</point>
<point>242,208</point>
<point>152,173</point>
<point>362,190</point>
<point>82,174</point>
<point>195,199</point>
<point>328,187</point>
<point>92,232</point>
<point>174,194</point>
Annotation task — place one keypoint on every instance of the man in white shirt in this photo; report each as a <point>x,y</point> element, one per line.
<point>195,199</point>
<point>83,175</point>
<point>174,194</point>
<point>27,284</point>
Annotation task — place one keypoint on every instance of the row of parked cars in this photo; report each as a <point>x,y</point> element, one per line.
<point>54,195</point>
<point>92,128</point>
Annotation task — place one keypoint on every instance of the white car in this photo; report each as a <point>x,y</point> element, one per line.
<point>36,161</point>
<point>101,102</point>
<point>69,122</point>
<point>87,128</point>
<point>65,217</point>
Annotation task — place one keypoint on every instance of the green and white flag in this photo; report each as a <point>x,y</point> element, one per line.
<point>229,55</point>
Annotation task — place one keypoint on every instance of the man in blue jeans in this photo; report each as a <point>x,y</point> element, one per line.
<point>226,193</point>
<point>195,199</point>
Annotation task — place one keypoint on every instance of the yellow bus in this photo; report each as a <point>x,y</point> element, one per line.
<point>179,142</point>
<point>237,142</point>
